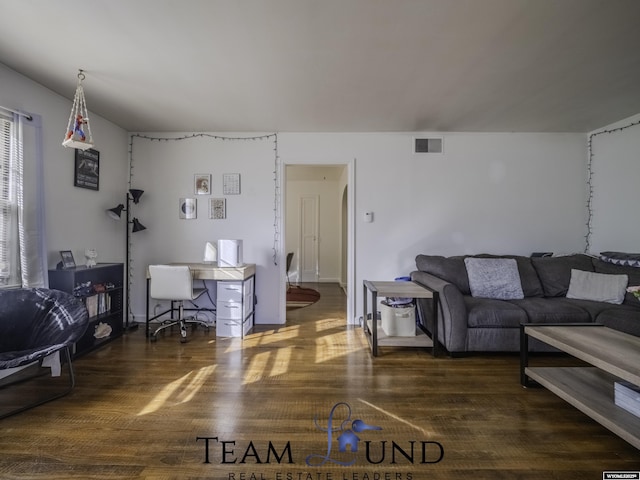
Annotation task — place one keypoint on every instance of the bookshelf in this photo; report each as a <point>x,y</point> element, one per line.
<point>102,290</point>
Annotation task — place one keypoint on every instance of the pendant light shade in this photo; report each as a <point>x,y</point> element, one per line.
<point>78,133</point>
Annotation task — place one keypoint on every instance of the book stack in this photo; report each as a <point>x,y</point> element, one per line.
<point>627,396</point>
<point>98,304</point>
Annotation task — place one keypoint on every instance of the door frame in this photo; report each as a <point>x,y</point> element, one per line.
<point>351,257</point>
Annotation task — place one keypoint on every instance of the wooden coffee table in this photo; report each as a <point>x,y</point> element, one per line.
<point>614,355</point>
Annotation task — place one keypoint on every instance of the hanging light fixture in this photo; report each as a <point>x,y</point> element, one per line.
<point>78,133</point>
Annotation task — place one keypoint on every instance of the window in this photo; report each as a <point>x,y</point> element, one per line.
<point>9,249</point>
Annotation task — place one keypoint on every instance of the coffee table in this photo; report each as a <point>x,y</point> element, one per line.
<point>613,355</point>
<point>376,336</point>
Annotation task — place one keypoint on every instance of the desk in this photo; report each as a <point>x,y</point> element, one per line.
<point>402,290</point>
<point>235,296</point>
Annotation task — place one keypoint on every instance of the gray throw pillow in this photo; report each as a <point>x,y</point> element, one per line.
<point>598,287</point>
<point>494,278</point>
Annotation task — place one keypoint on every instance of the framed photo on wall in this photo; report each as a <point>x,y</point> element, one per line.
<point>86,173</point>
<point>231,184</point>
<point>202,184</point>
<point>218,208</point>
<point>188,208</point>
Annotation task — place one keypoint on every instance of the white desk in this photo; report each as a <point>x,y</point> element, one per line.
<point>235,300</point>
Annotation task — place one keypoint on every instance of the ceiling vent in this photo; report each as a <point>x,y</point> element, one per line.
<point>428,145</point>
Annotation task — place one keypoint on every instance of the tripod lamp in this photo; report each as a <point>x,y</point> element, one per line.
<point>133,195</point>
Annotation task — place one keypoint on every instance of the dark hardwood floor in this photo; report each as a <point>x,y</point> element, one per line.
<point>143,410</point>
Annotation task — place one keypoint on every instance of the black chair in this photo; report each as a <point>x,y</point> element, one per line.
<point>36,323</point>
<point>289,260</point>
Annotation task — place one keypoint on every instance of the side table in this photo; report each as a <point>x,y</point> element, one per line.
<point>402,290</point>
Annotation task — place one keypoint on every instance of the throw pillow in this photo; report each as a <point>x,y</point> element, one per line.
<point>494,278</point>
<point>599,287</point>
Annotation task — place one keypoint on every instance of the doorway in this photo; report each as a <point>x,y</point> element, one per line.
<point>318,226</point>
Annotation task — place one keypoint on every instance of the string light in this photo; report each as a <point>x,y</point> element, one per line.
<point>587,238</point>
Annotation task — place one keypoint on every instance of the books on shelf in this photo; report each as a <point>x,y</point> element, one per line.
<point>627,396</point>
<point>98,304</point>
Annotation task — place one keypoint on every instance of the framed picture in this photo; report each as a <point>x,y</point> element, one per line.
<point>188,208</point>
<point>86,173</point>
<point>218,208</point>
<point>67,259</point>
<point>231,184</point>
<point>202,184</point>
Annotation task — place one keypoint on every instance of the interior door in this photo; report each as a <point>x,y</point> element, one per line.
<point>309,206</point>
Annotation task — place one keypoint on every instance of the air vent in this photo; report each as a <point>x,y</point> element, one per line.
<point>427,145</point>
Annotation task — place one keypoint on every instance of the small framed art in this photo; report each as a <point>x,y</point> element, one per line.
<point>231,184</point>
<point>67,259</point>
<point>188,208</point>
<point>202,183</point>
<point>86,172</point>
<point>218,208</point>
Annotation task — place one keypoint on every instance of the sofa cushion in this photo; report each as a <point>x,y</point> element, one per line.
<point>632,272</point>
<point>487,312</point>
<point>531,286</point>
<point>552,310</point>
<point>450,269</point>
<point>555,272</point>
<point>494,278</point>
<point>599,287</point>
<point>626,320</point>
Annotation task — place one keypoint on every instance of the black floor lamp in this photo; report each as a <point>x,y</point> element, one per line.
<point>116,213</point>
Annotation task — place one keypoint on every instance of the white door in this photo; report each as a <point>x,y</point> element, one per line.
<point>309,206</point>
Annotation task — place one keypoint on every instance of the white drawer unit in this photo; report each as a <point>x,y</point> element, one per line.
<point>235,307</point>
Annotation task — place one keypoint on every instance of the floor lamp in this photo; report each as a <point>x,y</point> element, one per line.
<point>132,195</point>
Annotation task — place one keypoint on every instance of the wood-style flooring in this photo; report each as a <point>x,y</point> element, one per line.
<point>264,406</point>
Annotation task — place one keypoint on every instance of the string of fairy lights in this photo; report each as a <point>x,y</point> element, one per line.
<point>587,247</point>
<point>276,180</point>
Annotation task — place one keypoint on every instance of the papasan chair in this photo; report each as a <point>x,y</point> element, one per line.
<point>35,324</point>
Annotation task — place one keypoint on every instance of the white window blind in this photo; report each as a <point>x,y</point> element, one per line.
<point>9,250</point>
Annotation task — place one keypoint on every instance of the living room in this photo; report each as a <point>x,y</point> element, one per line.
<point>525,188</point>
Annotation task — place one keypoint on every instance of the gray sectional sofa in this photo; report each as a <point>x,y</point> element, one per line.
<point>485,298</point>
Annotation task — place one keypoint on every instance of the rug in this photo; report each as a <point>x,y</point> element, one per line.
<point>299,297</point>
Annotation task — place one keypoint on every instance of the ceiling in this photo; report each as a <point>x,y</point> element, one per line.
<point>335,65</point>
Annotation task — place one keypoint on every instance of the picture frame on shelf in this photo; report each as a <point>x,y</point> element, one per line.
<point>202,184</point>
<point>67,259</point>
<point>86,171</point>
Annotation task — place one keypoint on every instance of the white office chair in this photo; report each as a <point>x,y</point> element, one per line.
<point>175,284</point>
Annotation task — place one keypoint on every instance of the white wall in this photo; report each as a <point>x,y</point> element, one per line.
<point>494,193</point>
<point>75,218</point>
<point>500,193</point>
<point>615,177</point>
<point>165,171</point>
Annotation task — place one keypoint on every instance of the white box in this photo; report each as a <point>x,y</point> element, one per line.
<point>398,321</point>
<point>230,253</point>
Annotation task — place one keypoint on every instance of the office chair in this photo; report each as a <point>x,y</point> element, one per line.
<point>175,284</point>
<point>289,259</point>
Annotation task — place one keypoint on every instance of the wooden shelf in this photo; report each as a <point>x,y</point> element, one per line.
<point>591,391</point>
<point>421,339</point>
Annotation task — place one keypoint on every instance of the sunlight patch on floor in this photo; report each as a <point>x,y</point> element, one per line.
<point>397,418</point>
<point>335,345</point>
<point>183,388</point>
